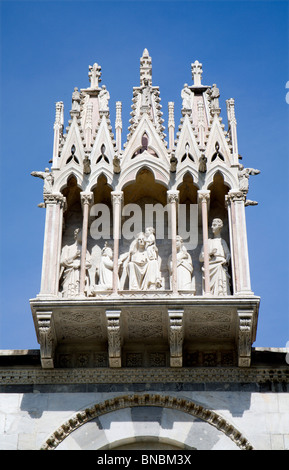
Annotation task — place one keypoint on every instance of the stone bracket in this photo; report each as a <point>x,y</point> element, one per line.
<point>176,337</point>
<point>114,337</point>
<point>46,338</point>
<point>245,337</point>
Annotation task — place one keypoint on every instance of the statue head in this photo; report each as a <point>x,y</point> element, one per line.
<point>77,235</point>
<point>179,241</point>
<point>149,230</point>
<point>141,240</point>
<point>217,225</point>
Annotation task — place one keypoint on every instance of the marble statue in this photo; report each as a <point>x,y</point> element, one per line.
<point>76,100</point>
<point>104,97</point>
<point>219,257</point>
<point>243,175</point>
<point>150,241</point>
<point>186,96</point>
<point>48,180</point>
<point>142,263</point>
<point>146,94</point>
<point>173,163</point>
<point>184,266</point>
<point>70,266</point>
<point>105,270</point>
<point>214,94</point>
<point>86,165</point>
<point>203,164</point>
<point>116,164</point>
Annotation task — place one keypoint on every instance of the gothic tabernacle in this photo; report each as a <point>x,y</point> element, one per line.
<point>145,259</point>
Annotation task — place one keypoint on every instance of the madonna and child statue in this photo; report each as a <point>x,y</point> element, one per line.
<point>140,268</point>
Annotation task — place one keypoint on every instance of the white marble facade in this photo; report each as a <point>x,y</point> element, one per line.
<point>31,421</point>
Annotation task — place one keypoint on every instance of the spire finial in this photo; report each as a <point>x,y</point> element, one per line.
<point>197,72</point>
<point>94,75</point>
<point>145,68</point>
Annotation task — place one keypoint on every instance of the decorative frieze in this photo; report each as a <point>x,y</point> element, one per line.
<point>107,375</point>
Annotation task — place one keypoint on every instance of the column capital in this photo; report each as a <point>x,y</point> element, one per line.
<point>54,198</point>
<point>234,196</point>
<point>173,195</point>
<point>204,195</point>
<point>86,198</point>
<point>116,197</point>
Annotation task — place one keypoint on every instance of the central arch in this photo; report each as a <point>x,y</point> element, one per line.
<point>101,426</point>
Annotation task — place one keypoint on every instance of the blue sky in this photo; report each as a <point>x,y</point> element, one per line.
<point>46,48</point>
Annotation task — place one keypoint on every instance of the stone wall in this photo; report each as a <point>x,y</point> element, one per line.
<point>174,416</point>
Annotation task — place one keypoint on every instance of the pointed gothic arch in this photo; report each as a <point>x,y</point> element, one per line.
<point>213,420</point>
<point>188,189</point>
<point>69,173</point>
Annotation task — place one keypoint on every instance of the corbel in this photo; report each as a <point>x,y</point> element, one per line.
<point>245,337</point>
<point>114,337</point>
<point>46,338</point>
<point>176,337</point>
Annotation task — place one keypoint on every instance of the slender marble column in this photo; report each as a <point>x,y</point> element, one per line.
<point>86,199</point>
<point>234,262</point>
<point>54,204</point>
<point>116,203</point>
<point>240,245</point>
<point>204,197</point>
<point>173,197</point>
